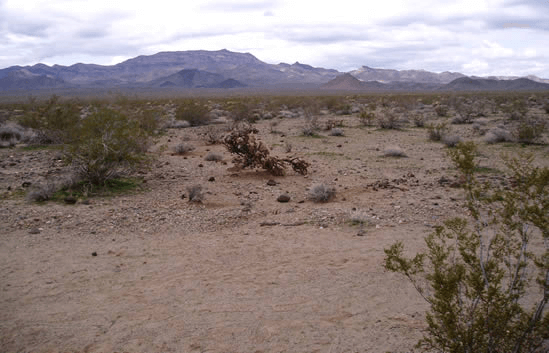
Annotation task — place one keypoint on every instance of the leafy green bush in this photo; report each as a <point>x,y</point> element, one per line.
<point>478,278</point>
<point>109,145</point>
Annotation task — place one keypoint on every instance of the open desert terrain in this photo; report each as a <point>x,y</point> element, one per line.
<point>149,271</point>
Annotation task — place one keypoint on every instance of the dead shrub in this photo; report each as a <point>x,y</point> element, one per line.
<point>252,153</point>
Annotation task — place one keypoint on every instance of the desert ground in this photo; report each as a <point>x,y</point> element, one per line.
<point>149,271</point>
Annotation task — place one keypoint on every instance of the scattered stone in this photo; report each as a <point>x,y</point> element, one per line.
<point>271,182</point>
<point>34,231</point>
<point>283,198</point>
<point>200,165</point>
<point>211,179</point>
<point>26,184</point>
<point>94,253</point>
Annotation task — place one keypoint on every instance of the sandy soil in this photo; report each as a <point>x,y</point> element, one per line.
<point>240,272</point>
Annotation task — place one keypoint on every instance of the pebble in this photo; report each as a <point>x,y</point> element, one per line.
<point>283,198</point>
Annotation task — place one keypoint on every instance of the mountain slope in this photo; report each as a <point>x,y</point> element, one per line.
<point>24,79</point>
<point>366,73</point>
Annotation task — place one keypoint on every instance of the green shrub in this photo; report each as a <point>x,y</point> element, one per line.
<point>109,145</point>
<point>193,111</point>
<point>54,121</point>
<point>479,279</point>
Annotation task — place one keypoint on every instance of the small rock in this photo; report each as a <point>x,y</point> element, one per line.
<point>34,231</point>
<point>283,198</point>
<point>26,184</point>
<point>94,253</point>
<point>200,165</point>
<point>211,179</point>
<point>271,182</point>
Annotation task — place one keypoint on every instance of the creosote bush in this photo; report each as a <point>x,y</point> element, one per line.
<point>109,146</point>
<point>193,111</point>
<point>252,153</point>
<point>485,282</point>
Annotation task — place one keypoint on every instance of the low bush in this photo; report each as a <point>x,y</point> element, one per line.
<point>394,151</point>
<point>367,118</point>
<point>213,157</point>
<point>497,135</point>
<point>451,140</point>
<point>321,193</point>
<point>109,145</point>
<point>529,131</point>
<point>389,119</point>
<point>193,111</point>
<point>436,132</point>
<point>183,148</point>
<point>195,193</point>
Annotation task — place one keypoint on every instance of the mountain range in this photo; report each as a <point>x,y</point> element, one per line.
<point>224,69</point>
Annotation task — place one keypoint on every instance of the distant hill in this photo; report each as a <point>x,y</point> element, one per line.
<point>192,78</point>
<point>344,82</point>
<point>481,84</point>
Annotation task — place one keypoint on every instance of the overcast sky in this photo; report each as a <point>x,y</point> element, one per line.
<point>475,37</point>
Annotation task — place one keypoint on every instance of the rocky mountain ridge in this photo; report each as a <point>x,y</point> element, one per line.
<point>215,69</point>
